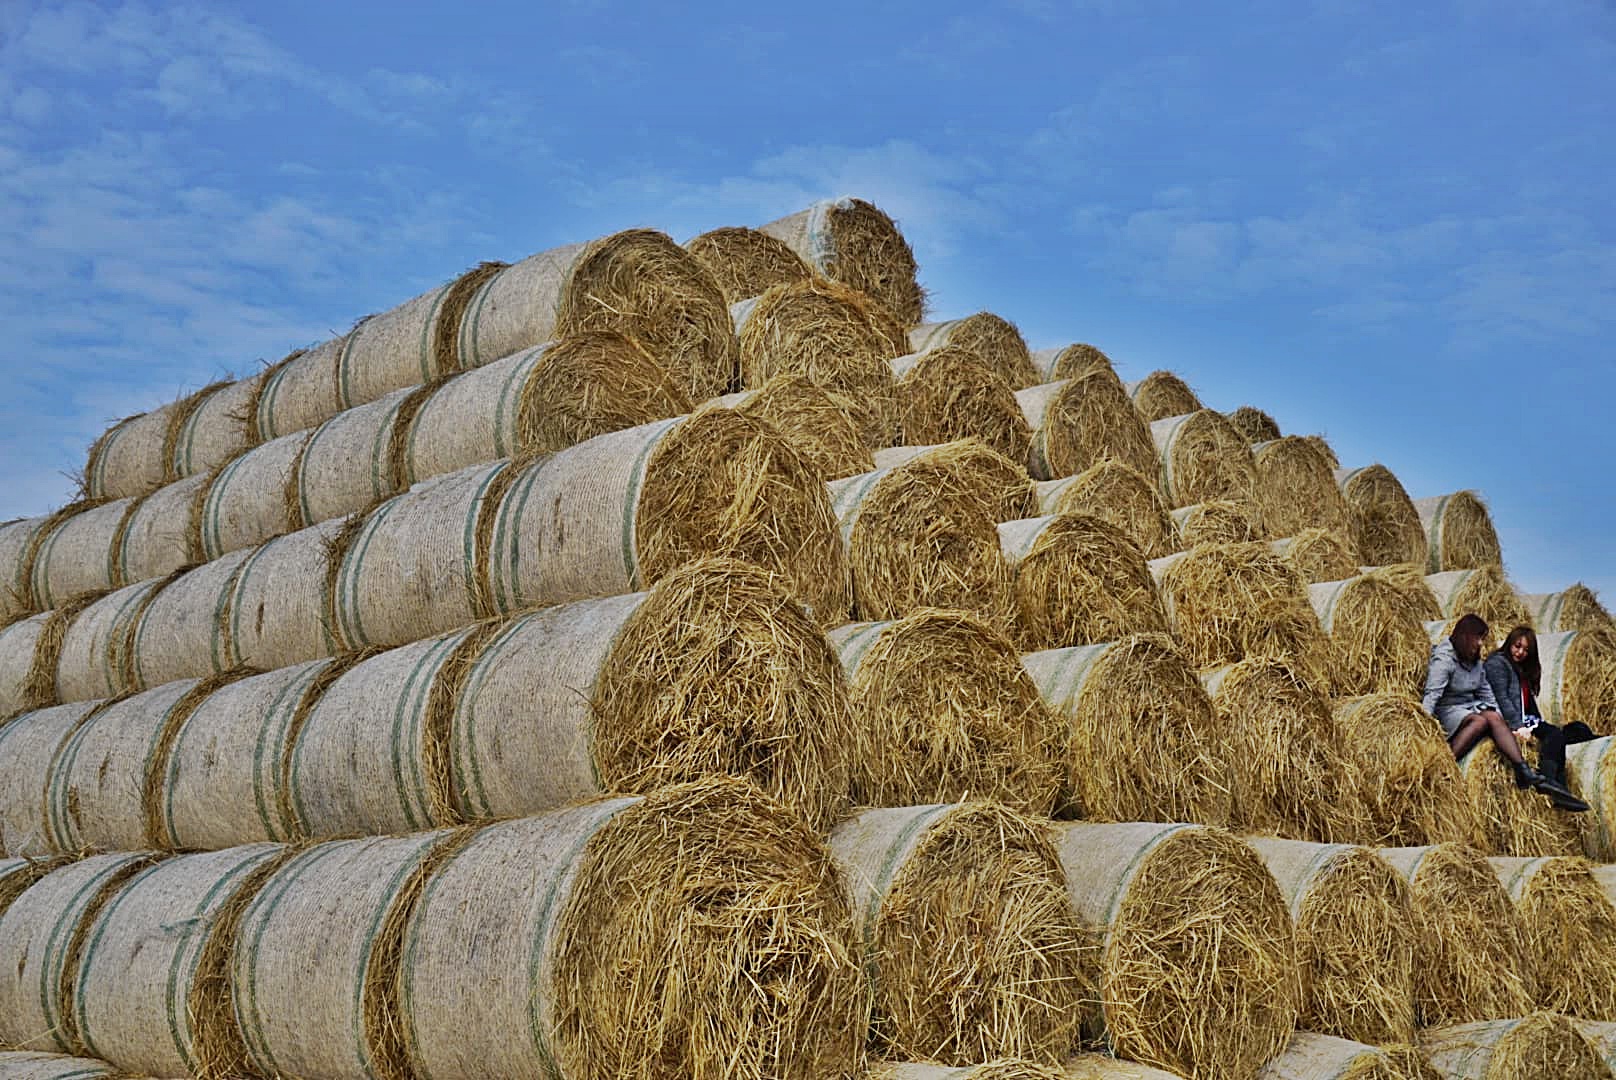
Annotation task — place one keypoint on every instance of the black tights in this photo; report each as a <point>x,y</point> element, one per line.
<point>1483,725</point>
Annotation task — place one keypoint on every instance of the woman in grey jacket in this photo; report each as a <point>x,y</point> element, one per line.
<point>1515,674</point>
<point>1458,694</point>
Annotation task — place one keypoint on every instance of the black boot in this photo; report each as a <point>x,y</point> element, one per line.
<point>1528,777</point>
<point>1560,793</point>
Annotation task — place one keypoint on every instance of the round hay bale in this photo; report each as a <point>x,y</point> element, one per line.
<point>103,787</point>
<point>465,420</point>
<point>1170,766</point>
<point>127,459</point>
<point>946,712</point>
<point>1077,581</point>
<point>1591,768</point>
<point>216,430</point>
<point>818,423</point>
<point>1078,423</point>
<point>1198,973</point>
<point>715,671</point>
<point>1322,445</point>
<point>276,611</point>
<point>1221,521</point>
<point>17,540</point>
<point>345,465</point>
<point>90,661</point>
<point>77,555</point>
<point>829,334</point>
<point>371,755</point>
<point>299,392</point>
<point>325,1004</point>
<point>1311,1056</point>
<point>403,346</point>
<point>161,533</point>
<point>1318,555</point>
<point>746,262</point>
<point>254,497</point>
<point>995,341</point>
<point>1385,526</point>
<point>1516,822</point>
<point>638,283</point>
<point>618,513</point>
<point>923,533</point>
<point>1410,579</point>
<point>28,745</point>
<point>1354,919</point>
<point>1162,394</point>
<point>180,632</point>
<point>1284,756</point>
<point>1576,608</point>
<point>1203,458</point>
<point>1458,533</point>
<point>415,565</point>
<point>1579,678</point>
<point>1470,957</point>
<point>1296,489</point>
<point>19,645</point>
<point>40,687</point>
<point>1228,602</point>
<point>1003,485</point>
<point>1570,930</point>
<point>1119,495</point>
<point>737,926</point>
<point>1485,591</point>
<point>1377,638</point>
<point>1070,362</point>
<point>1101,1067</point>
<point>1406,789</point>
<point>41,937</point>
<point>948,392</point>
<point>854,242</point>
<point>1529,1048</point>
<point>1255,425</point>
<point>1003,1069</point>
<point>150,988</point>
<point>973,949</point>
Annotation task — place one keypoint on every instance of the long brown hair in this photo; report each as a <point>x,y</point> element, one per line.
<point>1531,668</point>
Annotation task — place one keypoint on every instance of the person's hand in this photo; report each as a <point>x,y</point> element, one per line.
<point>1522,735</point>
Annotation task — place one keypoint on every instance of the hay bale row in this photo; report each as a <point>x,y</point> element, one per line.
<point>1079,422</point>
<point>994,340</point>
<point>1540,1045</point>
<point>1458,533</point>
<point>853,242</point>
<point>1120,496</point>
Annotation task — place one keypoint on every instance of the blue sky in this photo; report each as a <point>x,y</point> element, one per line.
<point>1392,227</point>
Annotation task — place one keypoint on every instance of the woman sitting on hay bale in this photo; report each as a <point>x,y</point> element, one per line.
<point>1516,675</point>
<point>1459,696</point>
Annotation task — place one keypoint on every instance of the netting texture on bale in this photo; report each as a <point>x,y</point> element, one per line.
<point>1579,678</point>
<point>127,459</point>
<point>19,645</point>
<point>994,339</point>
<point>1385,526</point>
<point>948,392</point>
<point>32,1065</point>
<point>78,555</point>
<point>1591,768</point>
<point>852,241</point>
<point>17,539</point>
<point>179,632</point>
<point>1077,580</point>
<point>91,656</point>
<point>1574,608</point>
<point>247,501</point>
<point>215,431</point>
<point>1311,1056</point>
<point>1119,495</point>
<point>1458,532</point>
<point>346,464</point>
<point>1202,459</point>
<point>1079,422</point>
<point>277,612</point>
<point>161,533</point>
<point>28,745</point>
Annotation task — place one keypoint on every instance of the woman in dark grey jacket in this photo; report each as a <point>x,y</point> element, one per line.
<point>1515,675</point>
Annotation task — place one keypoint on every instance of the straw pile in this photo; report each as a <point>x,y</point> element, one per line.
<point>1354,920</point>
<point>923,532</point>
<point>28,744</point>
<point>1254,424</point>
<point>1377,638</point>
<point>1575,608</point>
<point>1169,766</point>
<point>1485,591</point>
<point>1070,362</point>
<point>324,1004</point>
<point>831,335</point>
<point>1284,755</point>
<point>1458,532</point>
<point>254,497</point>
<point>42,935</point>
<point>1470,955</point>
<point>277,610</point>
<point>1530,1048</point>
<point>1077,581</point>
<point>1318,555</point>
<point>746,262</point>
<point>1296,489</point>
<point>1119,495</point>
<point>818,423</point>
<point>1406,790</point>
<point>973,948</point>
<point>1515,821</point>
<point>637,283</point>
<point>161,532</point>
<point>736,929</point>
<point>150,989</point>
<point>1203,458</point>
<point>178,631</point>
<point>1325,1057</point>
<point>1199,968</point>
<point>19,645</point>
<point>76,556</point>
<point>1579,678</point>
<point>853,242</point>
<point>1221,521</point>
<point>994,340</point>
<point>1003,1069</point>
<point>716,671</point>
<point>619,512</point>
<point>1162,394</point>
<point>1078,423</point>
<point>1385,526</point>
<point>948,392</point>
<point>946,712</point>
<point>1570,930</point>
<point>1227,602</point>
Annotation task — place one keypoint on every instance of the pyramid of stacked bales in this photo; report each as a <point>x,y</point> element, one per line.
<point>688,661</point>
